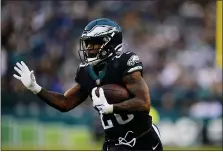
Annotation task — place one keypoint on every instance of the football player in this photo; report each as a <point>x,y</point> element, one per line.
<point>127,125</point>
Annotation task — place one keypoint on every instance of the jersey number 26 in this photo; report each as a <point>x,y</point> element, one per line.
<point>109,124</point>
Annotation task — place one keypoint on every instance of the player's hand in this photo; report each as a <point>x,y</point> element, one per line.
<point>100,102</point>
<point>26,77</point>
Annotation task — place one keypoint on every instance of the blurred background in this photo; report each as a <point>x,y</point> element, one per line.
<point>175,40</point>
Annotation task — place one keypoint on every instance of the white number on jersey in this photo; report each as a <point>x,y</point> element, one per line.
<point>118,118</point>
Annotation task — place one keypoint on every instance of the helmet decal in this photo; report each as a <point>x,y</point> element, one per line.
<point>99,31</point>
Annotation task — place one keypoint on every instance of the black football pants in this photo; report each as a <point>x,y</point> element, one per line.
<point>150,141</point>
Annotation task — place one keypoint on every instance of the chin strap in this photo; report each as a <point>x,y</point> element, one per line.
<point>96,61</point>
<point>119,47</point>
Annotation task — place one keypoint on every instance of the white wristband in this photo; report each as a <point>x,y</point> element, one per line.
<point>109,108</point>
<point>35,89</point>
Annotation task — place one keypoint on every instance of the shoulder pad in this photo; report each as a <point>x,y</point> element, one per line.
<point>130,62</point>
<point>77,75</point>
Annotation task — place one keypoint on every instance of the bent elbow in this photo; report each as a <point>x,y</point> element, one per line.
<point>147,106</point>
<point>64,109</point>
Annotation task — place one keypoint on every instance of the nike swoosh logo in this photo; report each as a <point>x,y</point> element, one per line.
<point>155,147</point>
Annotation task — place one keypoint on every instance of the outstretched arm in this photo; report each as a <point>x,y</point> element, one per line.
<point>63,102</point>
<point>137,86</point>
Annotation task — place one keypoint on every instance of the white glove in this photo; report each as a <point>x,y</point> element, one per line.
<point>100,102</point>
<point>27,77</point>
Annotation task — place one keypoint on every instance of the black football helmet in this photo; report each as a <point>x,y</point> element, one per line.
<point>103,32</point>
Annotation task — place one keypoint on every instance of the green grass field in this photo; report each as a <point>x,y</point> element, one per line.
<point>85,146</point>
<point>31,135</point>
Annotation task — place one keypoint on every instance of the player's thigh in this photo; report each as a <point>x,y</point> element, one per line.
<point>112,147</point>
<point>150,141</point>
<point>158,146</point>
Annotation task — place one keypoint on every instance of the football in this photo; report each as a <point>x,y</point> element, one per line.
<point>114,93</point>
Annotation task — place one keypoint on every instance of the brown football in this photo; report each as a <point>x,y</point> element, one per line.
<point>114,93</point>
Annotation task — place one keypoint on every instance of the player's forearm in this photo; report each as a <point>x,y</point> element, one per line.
<point>137,87</point>
<point>132,105</point>
<point>56,100</point>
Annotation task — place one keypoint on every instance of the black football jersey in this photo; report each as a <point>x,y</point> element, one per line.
<point>112,71</point>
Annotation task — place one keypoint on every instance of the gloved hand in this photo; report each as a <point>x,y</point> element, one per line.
<point>27,77</point>
<point>100,102</point>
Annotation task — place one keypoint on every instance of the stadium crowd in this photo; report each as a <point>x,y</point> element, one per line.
<point>175,41</point>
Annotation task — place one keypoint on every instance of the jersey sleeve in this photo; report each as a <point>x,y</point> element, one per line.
<point>78,72</point>
<point>130,63</point>
<point>77,75</point>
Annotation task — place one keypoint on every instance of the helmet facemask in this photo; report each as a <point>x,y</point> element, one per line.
<point>95,49</point>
